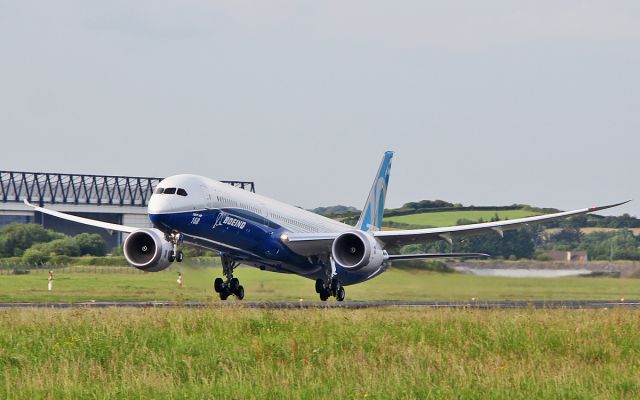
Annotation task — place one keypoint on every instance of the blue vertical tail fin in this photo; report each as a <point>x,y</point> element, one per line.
<point>371,217</point>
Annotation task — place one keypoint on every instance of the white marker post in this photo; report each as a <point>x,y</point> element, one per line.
<point>50,285</point>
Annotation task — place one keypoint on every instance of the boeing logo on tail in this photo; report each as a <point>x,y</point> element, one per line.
<point>278,237</point>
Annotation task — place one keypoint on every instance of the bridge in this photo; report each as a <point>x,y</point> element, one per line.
<point>115,199</point>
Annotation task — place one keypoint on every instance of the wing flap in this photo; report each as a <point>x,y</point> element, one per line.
<point>429,256</point>
<point>309,244</point>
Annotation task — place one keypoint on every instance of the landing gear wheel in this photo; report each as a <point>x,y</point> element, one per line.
<point>229,285</point>
<point>234,284</point>
<point>175,238</point>
<point>324,295</point>
<point>218,285</point>
<point>319,286</point>
<point>341,294</point>
<point>335,287</point>
<point>239,292</point>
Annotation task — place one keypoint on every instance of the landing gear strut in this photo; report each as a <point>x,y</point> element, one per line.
<point>176,255</point>
<point>230,285</point>
<point>330,286</point>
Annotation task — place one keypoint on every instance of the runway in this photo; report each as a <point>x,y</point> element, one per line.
<point>352,305</point>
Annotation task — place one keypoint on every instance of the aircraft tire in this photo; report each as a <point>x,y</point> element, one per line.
<point>180,256</point>
<point>335,287</point>
<point>218,285</point>
<point>240,292</point>
<point>319,286</point>
<point>341,294</point>
<point>234,284</point>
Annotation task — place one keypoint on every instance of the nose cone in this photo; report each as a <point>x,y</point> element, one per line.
<point>159,204</point>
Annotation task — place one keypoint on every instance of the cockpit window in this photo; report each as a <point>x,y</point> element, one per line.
<point>159,190</point>
<point>169,190</point>
<point>182,192</point>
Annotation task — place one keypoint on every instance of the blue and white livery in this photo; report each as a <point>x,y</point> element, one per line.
<point>247,228</point>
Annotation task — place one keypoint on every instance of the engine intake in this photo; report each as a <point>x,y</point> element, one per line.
<point>147,250</point>
<point>356,250</point>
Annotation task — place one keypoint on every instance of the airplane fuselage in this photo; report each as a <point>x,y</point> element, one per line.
<point>243,225</point>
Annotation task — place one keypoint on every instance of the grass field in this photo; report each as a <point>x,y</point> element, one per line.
<point>236,353</point>
<point>450,218</point>
<point>586,231</point>
<point>394,284</point>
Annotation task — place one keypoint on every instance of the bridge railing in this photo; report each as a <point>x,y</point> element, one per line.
<point>53,188</point>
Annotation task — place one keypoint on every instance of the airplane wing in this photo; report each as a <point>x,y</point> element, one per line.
<point>403,237</point>
<point>86,221</point>
<point>318,243</point>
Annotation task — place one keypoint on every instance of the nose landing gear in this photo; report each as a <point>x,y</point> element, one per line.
<point>176,255</point>
<point>230,286</point>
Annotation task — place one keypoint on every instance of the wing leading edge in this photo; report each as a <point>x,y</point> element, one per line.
<point>81,220</point>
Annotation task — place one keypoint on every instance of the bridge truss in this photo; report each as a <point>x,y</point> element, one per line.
<point>53,188</point>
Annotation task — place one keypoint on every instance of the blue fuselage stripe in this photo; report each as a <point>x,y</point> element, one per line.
<point>248,237</point>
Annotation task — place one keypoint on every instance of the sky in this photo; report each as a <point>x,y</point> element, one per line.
<point>485,103</point>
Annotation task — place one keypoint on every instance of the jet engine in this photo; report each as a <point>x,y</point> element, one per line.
<point>357,251</point>
<point>147,250</point>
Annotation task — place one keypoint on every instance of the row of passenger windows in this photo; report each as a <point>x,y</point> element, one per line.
<point>276,217</point>
<point>179,191</point>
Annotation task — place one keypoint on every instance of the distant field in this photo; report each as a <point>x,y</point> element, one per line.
<point>128,284</point>
<point>319,354</point>
<point>586,231</point>
<point>449,218</point>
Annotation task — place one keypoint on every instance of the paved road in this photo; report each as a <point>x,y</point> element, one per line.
<point>481,305</point>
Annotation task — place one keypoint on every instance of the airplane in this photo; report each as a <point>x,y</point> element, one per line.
<point>247,228</point>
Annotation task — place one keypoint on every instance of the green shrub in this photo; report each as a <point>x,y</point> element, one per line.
<point>64,247</point>
<point>34,256</point>
<point>90,244</point>
<point>60,260</point>
<point>21,271</point>
<point>16,238</point>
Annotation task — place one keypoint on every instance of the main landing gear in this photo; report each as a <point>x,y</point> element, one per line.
<point>333,288</point>
<point>229,286</point>
<point>175,239</point>
<point>330,285</point>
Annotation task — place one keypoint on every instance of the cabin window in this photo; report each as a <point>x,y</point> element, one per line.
<point>182,192</point>
<point>169,190</point>
<point>159,190</point>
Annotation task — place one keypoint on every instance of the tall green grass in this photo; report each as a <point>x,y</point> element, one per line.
<point>236,353</point>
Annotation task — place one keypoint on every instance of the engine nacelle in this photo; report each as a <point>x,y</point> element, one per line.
<point>356,250</point>
<point>147,250</point>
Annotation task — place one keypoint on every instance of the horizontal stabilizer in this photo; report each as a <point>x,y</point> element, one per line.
<point>428,256</point>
